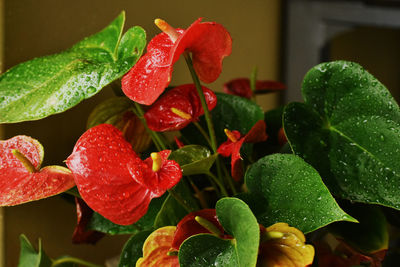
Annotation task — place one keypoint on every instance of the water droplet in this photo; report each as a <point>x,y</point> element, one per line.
<point>91,89</point>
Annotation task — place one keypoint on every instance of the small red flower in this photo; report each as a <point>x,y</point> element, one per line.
<point>156,173</point>
<point>100,163</point>
<point>241,87</point>
<point>208,42</point>
<point>178,107</point>
<point>235,141</point>
<point>21,177</point>
<point>189,226</point>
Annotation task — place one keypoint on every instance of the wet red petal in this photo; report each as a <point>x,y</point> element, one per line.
<point>157,182</point>
<point>257,133</point>
<point>188,226</point>
<point>239,87</point>
<point>18,184</point>
<point>209,43</point>
<point>161,118</point>
<point>81,235</point>
<point>99,164</point>
<point>148,78</point>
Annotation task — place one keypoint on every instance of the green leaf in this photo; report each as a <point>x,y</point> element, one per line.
<point>208,250</point>
<point>29,257</point>
<point>101,224</point>
<point>109,111</point>
<point>132,250</point>
<point>193,159</point>
<point>284,188</point>
<point>171,211</point>
<point>52,84</point>
<point>370,235</point>
<point>348,129</point>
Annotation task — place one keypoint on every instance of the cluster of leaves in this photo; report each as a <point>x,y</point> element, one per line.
<point>185,205</point>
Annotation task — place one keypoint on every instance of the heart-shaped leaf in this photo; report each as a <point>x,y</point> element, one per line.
<point>348,129</point>
<point>29,257</point>
<point>208,250</point>
<point>193,159</point>
<point>132,250</point>
<point>52,84</point>
<point>284,188</point>
<point>21,179</point>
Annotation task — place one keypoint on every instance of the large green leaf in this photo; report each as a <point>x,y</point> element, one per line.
<point>284,188</point>
<point>29,257</point>
<point>132,250</point>
<point>101,224</point>
<point>349,130</point>
<point>193,159</point>
<point>208,250</point>
<point>52,84</point>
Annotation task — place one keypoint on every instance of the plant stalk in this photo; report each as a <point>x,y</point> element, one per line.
<point>73,260</point>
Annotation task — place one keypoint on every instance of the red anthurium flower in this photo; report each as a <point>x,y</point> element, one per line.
<point>178,142</point>
<point>208,42</point>
<point>235,141</point>
<point>21,179</point>
<point>189,226</point>
<point>241,87</point>
<point>99,163</point>
<point>177,108</point>
<point>81,235</point>
<point>156,173</point>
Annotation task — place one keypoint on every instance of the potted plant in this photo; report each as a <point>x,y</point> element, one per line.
<point>234,186</point>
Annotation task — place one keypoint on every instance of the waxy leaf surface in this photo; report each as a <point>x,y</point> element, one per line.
<point>284,188</point>
<point>193,159</point>
<point>208,250</point>
<point>349,130</point>
<point>52,84</point>
<point>132,249</point>
<point>21,179</point>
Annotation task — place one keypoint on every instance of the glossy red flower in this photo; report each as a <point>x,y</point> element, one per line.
<point>156,173</point>
<point>22,179</point>
<point>208,42</point>
<point>178,107</point>
<point>235,141</point>
<point>189,226</point>
<point>100,163</point>
<point>241,87</point>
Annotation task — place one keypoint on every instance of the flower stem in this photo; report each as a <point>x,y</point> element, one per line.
<point>158,142</point>
<point>207,114</point>
<point>180,200</point>
<point>203,133</point>
<point>218,182</point>
<point>73,260</point>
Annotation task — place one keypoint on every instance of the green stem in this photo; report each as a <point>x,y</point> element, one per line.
<point>218,182</point>
<point>207,114</point>
<point>228,179</point>
<point>73,192</point>
<point>180,200</point>
<point>158,142</point>
<point>73,260</point>
<point>203,133</point>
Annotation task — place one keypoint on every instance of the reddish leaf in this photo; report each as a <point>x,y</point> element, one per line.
<point>157,248</point>
<point>241,87</point>
<point>162,116</point>
<point>99,164</point>
<point>81,235</point>
<point>21,179</point>
<point>188,226</point>
<point>232,146</point>
<point>168,175</point>
<point>209,43</point>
